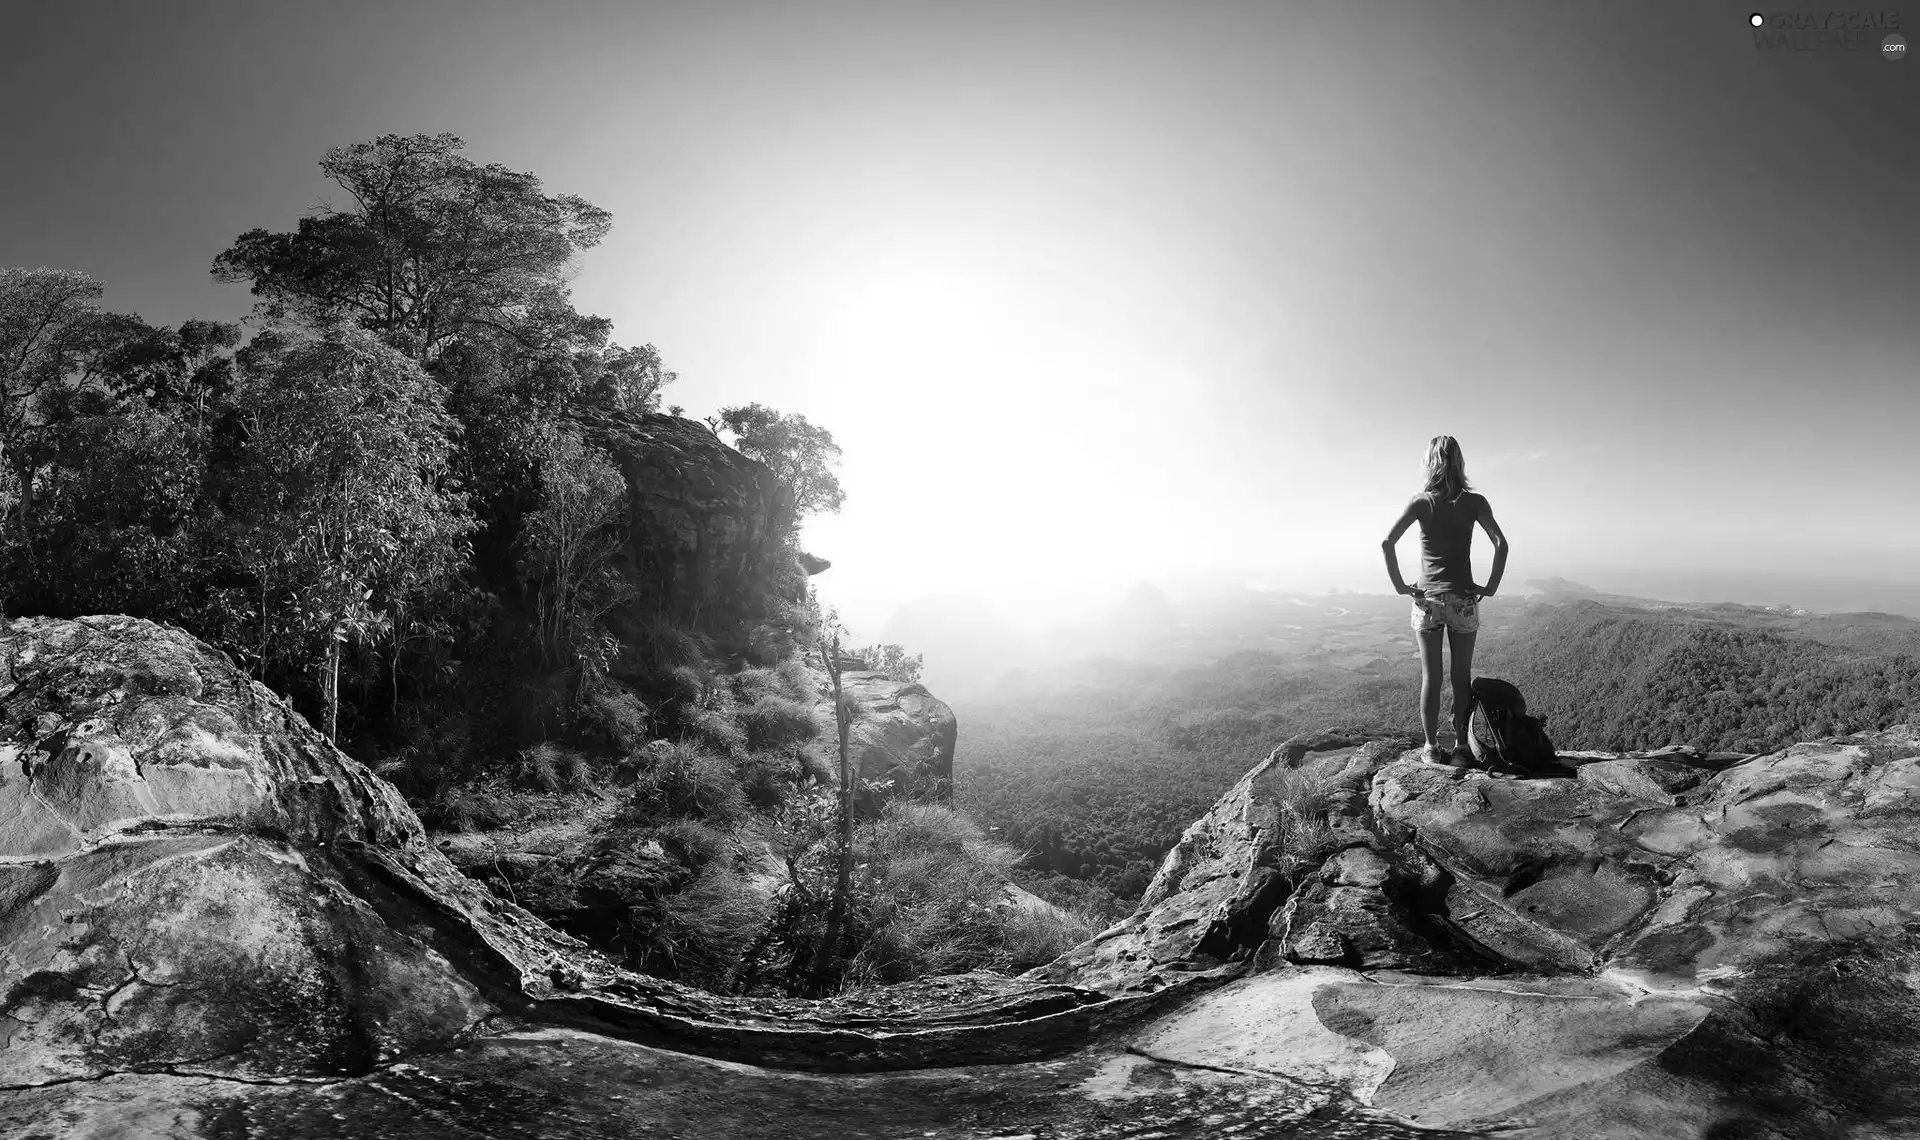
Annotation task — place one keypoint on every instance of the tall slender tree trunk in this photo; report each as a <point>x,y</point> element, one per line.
<point>843,883</point>
<point>399,635</point>
<point>263,624</point>
<point>330,686</point>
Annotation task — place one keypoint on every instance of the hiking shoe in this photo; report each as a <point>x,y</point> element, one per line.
<point>1431,754</point>
<point>1463,757</point>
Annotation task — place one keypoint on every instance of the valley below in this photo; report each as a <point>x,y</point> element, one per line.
<point>1093,764</point>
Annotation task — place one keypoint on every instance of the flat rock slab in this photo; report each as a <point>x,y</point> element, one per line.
<point>556,1083</point>
<point>1682,873</point>
<point>1434,1051</point>
<point>1464,1055</point>
<point>1536,1058</point>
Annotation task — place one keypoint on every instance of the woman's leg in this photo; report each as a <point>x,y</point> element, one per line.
<point>1462,682</point>
<point>1430,640</point>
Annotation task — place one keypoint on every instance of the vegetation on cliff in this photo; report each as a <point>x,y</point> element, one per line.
<point>436,506</point>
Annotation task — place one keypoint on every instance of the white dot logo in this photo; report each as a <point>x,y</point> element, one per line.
<point>1893,48</point>
<point>1756,19</point>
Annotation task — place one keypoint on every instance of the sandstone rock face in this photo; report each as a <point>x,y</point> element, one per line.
<point>200,899</point>
<point>905,739</point>
<point>171,890</point>
<point>1279,871</point>
<point>1666,945</point>
<point>1677,876</point>
<point>193,881</point>
<point>706,520</point>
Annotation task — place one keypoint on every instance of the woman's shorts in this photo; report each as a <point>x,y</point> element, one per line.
<point>1457,612</point>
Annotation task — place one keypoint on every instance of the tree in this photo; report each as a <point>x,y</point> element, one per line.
<point>52,336</point>
<point>843,717</point>
<point>115,527</point>
<point>567,545</point>
<point>893,661</point>
<point>801,455</point>
<point>342,503</point>
<point>107,441</point>
<point>623,379</point>
<point>435,248</point>
<point>190,366</point>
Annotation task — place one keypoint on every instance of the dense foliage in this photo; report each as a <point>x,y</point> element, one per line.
<point>395,502</point>
<point>380,503</point>
<point>1619,678</point>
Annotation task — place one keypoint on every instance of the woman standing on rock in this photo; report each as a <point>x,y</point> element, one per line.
<point>1446,603</point>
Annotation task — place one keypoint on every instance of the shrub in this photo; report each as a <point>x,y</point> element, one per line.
<point>765,780</point>
<point>717,726</point>
<point>776,723</point>
<point>702,928</point>
<point>687,684</point>
<point>615,720</point>
<point>795,681</point>
<point>695,844</point>
<point>658,647</point>
<point>1304,796</point>
<point>1034,936</point>
<point>934,896</point>
<point>892,661</point>
<point>908,938</point>
<point>549,767</point>
<point>475,807</point>
<point>686,781</point>
<point>752,683</point>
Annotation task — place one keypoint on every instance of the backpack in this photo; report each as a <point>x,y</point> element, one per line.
<point>1503,737</point>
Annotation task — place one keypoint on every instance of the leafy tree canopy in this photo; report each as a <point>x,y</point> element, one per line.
<point>342,502</point>
<point>800,454</point>
<point>62,356</point>
<point>434,247</point>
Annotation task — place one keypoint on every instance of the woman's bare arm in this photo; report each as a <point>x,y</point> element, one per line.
<point>1407,518</point>
<point>1499,547</point>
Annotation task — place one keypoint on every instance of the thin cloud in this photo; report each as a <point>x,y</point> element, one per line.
<point>1501,459</point>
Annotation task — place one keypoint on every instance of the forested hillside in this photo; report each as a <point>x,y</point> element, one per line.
<point>1724,680</point>
<point>1095,776</point>
<point>438,508</point>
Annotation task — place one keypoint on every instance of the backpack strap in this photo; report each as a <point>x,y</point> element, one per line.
<point>1498,726</point>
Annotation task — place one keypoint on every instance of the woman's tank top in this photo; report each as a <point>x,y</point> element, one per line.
<point>1446,543</point>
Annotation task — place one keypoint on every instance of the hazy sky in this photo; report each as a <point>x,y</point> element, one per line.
<point>1091,292</point>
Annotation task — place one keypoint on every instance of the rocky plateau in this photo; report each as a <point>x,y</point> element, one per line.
<point>213,924</point>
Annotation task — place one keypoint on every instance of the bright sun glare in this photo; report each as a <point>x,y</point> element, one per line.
<point>967,398</point>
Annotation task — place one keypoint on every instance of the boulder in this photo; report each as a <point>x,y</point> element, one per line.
<point>175,888</point>
<point>1215,894</point>
<point>707,525</point>
<point>903,738</point>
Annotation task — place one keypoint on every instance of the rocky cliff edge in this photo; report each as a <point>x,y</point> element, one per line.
<point>212,923</point>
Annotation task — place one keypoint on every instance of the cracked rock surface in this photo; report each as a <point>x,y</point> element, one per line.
<point>212,924</point>
<point>192,880</point>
